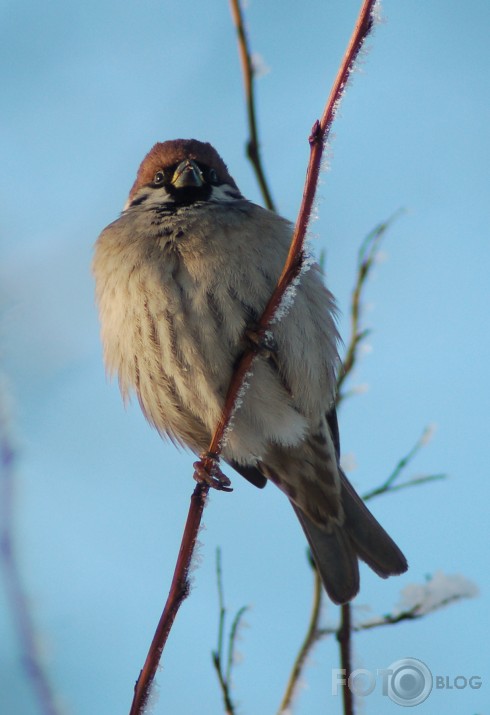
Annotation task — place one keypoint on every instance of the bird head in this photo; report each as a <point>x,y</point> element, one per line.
<point>181,172</point>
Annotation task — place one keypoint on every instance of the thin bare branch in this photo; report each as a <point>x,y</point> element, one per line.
<point>321,129</point>
<point>224,685</point>
<point>366,258</point>
<point>235,626</point>
<point>391,619</point>
<point>387,620</point>
<point>310,639</point>
<point>253,146</point>
<point>32,661</point>
<point>218,656</point>
<point>392,484</point>
<point>344,635</point>
<point>179,590</point>
<point>416,481</point>
<point>222,610</point>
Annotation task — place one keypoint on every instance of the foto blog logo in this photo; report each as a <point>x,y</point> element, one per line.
<point>407,682</point>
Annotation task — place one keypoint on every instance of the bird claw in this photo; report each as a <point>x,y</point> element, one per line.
<point>207,471</point>
<point>264,345</point>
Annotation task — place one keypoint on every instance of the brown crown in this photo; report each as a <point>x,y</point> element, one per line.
<point>169,153</point>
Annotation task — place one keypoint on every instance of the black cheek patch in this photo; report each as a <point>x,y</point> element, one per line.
<point>139,200</point>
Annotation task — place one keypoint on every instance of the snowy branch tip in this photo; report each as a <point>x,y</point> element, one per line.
<point>440,590</point>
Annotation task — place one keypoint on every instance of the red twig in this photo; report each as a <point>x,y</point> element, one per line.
<point>179,590</point>
<point>321,129</point>
<point>292,267</point>
<point>180,585</point>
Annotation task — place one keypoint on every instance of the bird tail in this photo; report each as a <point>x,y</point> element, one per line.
<point>334,557</point>
<point>336,551</point>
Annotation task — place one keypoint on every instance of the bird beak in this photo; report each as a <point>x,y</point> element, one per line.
<point>187,174</point>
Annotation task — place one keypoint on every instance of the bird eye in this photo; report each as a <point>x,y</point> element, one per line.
<point>159,177</point>
<point>212,176</point>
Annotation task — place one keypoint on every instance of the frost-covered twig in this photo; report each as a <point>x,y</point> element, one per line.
<point>318,139</point>
<point>179,590</point>
<point>418,600</point>
<point>22,618</point>
<point>253,146</point>
<point>438,591</point>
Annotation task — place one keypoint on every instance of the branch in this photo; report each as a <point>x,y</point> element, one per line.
<point>419,600</point>
<point>232,641</point>
<point>31,657</point>
<point>179,590</point>
<point>387,620</point>
<point>391,485</point>
<point>416,481</point>
<point>292,268</point>
<point>224,685</point>
<point>253,146</point>
<point>366,258</point>
<point>224,677</point>
<point>222,611</point>
<point>321,129</point>
<point>310,639</point>
<point>390,619</point>
<point>344,639</point>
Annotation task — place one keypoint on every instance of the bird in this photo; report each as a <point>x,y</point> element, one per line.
<point>182,278</point>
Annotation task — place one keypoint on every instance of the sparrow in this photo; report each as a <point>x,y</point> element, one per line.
<point>182,278</point>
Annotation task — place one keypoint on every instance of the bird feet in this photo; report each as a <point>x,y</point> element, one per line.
<point>207,471</point>
<point>265,345</point>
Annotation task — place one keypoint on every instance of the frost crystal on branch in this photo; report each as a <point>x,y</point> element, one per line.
<point>259,66</point>
<point>153,698</point>
<point>236,407</point>
<point>440,590</point>
<point>287,301</point>
<point>376,13</point>
<point>428,434</point>
<point>289,295</point>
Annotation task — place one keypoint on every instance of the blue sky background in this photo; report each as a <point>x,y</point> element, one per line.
<point>87,88</point>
